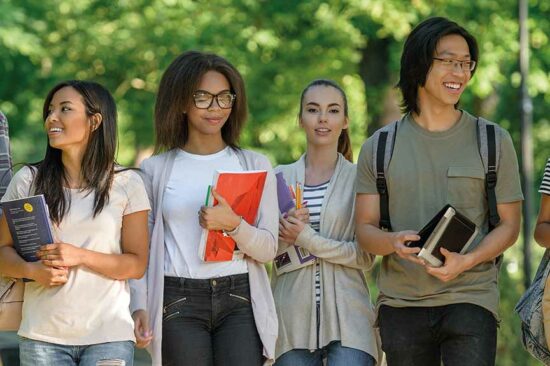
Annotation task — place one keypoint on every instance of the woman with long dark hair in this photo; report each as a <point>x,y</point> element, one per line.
<point>76,309</point>
<point>217,313</point>
<point>324,308</point>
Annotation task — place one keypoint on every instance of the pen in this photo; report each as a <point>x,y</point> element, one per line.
<point>298,195</point>
<point>207,195</point>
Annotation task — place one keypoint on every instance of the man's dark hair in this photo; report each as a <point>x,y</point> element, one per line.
<point>418,53</point>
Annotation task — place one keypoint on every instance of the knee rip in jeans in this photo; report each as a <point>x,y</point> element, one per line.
<point>111,362</point>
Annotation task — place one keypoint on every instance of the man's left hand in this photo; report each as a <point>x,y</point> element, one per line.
<point>454,265</point>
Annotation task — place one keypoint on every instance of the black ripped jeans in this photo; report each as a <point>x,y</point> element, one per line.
<point>209,323</point>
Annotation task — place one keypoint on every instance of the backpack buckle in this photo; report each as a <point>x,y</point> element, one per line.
<point>491,178</point>
<point>381,186</point>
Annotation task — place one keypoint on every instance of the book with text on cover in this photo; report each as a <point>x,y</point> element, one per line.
<point>29,224</point>
<point>448,229</point>
<point>243,192</point>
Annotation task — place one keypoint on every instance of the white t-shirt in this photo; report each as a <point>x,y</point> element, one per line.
<point>89,308</point>
<point>184,195</point>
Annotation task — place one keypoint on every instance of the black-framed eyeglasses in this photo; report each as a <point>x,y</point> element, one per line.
<point>451,64</point>
<point>204,99</point>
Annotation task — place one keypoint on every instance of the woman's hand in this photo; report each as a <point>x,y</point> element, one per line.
<point>290,228</point>
<point>143,333</point>
<point>219,217</point>
<point>301,214</point>
<point>61,255</point>
<point>48,276</point>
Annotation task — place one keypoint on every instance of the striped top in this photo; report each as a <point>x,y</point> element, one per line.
<point>314,196</point>
<point>545,184</point>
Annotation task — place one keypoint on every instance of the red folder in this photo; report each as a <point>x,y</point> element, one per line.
<point>243,191</point>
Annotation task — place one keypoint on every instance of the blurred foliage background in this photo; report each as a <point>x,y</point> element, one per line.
<point>279,46</point>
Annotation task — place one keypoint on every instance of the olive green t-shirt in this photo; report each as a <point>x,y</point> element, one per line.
<point>427,171</point>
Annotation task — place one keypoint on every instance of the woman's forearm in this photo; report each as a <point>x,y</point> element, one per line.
<point>116,266</point>
<point>12,265</point>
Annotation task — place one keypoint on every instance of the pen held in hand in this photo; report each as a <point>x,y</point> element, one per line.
<point>207,195</point>
<point>298,195</point>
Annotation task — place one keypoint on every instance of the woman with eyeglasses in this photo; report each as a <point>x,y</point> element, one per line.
<point>197,313</point>
<point>75,309</point>
<point>324,308</point>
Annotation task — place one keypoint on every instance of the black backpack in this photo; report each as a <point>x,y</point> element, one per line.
<point>488,141</point>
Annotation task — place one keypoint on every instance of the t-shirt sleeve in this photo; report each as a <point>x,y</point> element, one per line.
<point>365,181</point>
<point>545,184</point>
<point>137,196</point>
<point>20,185</point>
<point>508,187</point>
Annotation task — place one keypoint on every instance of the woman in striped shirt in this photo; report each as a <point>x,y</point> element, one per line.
<point>542,230</point>
<point>542,236</point>
<point>323,306</point>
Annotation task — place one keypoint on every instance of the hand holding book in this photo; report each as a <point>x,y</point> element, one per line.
<point>237,197</point>
<point>400,241</point>
<point>295,217</point>
<point>220,216</point>
<point>61,255</point>
<point>48,276</point>
<point>289,229</point>
<point>449,230</point>
<point>453,266</point>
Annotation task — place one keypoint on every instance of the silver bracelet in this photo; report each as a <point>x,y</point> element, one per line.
<point>235,230</point>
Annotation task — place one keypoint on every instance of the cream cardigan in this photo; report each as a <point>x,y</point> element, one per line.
<point>259,243</point>
<point>346,310</point>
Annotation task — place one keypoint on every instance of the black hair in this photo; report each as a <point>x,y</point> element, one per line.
<point>418,53</point>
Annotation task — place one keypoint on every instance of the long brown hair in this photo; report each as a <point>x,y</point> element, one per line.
<point>175,96</point>
<point>98,163</point>
<point>344,141</point>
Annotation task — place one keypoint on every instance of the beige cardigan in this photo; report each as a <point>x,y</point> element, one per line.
<point>346,309</point>
<point>259,244</point>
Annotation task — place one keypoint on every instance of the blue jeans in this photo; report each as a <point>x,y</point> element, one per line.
<point>209,322</point>
<point>457,334</point>
<point>37,353</point>
<point>336,354</point>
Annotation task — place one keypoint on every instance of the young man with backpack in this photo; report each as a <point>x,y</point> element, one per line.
<point>437,154</point>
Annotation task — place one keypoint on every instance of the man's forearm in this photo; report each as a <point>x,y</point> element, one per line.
<point>494,244</point>
<point>373,240</point>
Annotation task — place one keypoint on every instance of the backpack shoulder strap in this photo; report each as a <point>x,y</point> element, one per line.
<point>488,140</point>
<point>384,141</point>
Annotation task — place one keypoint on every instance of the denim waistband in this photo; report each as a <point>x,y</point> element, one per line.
<point>230,281</point>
